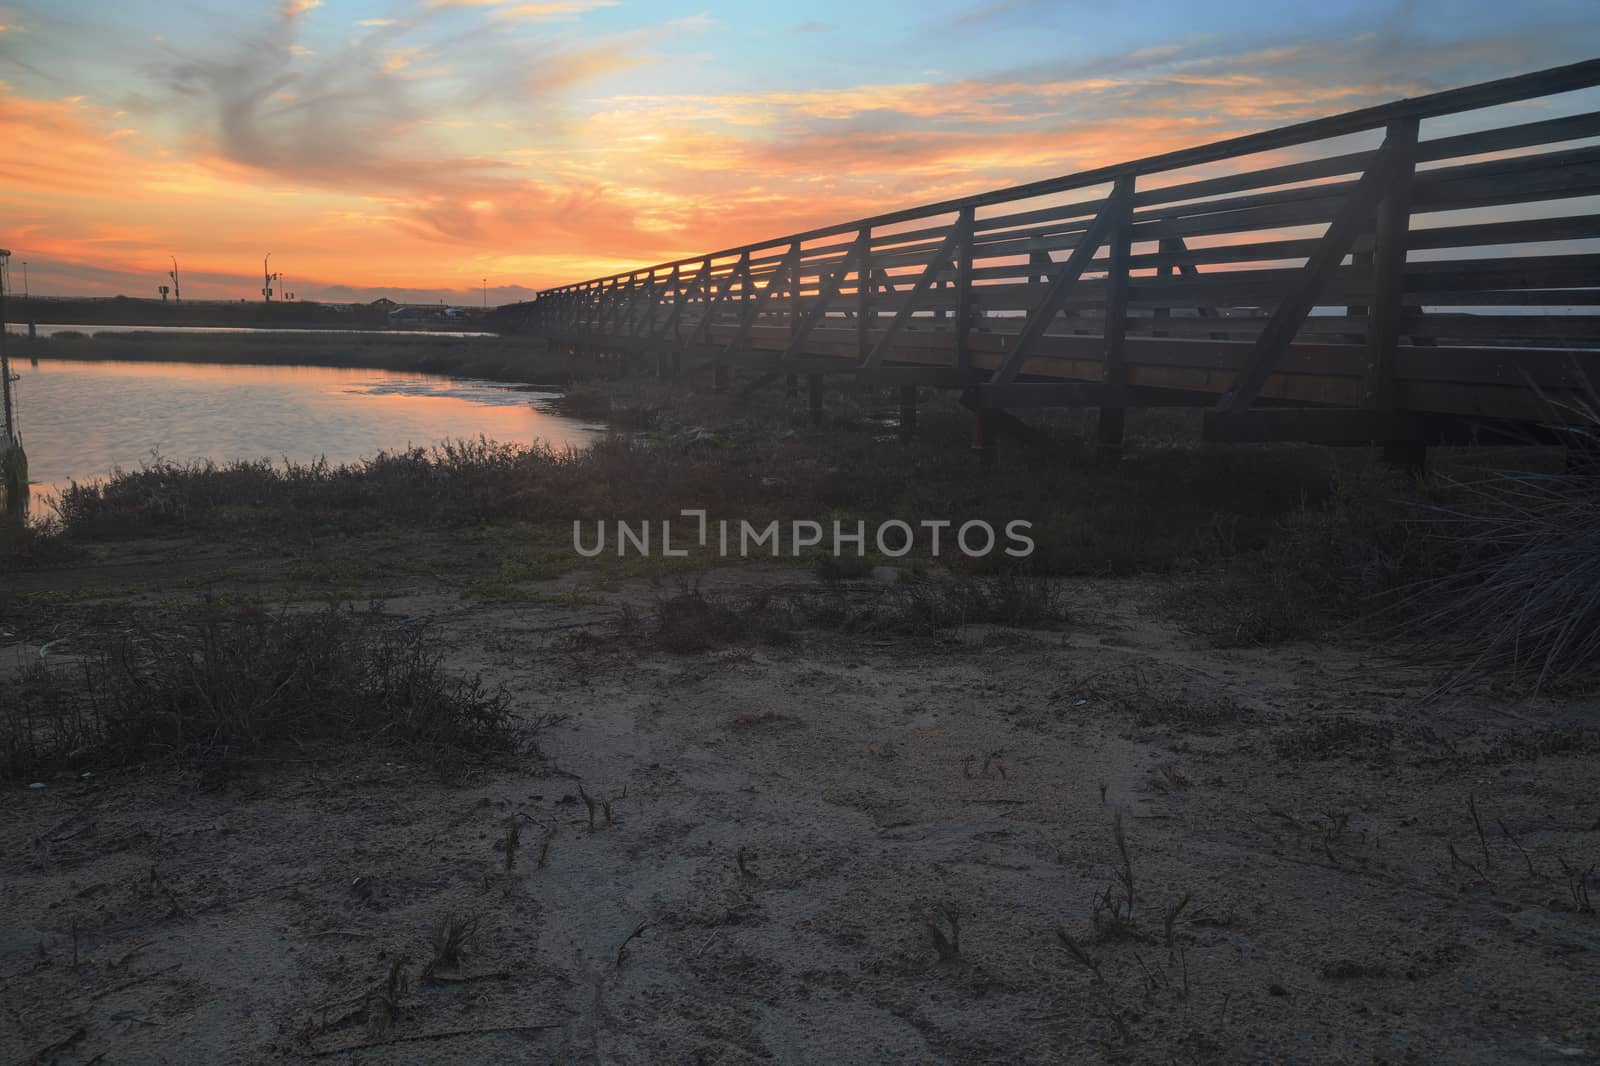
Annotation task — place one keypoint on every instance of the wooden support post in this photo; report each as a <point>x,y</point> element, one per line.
<point>985,432</point>
<point>908,410</point>
<point>964,307</point>
<point>1388,291</point>
<point>1389,268</point>
<point>863,292</point>
<point>796,311</point>
<point>1113,420</point>
<point>814,398</point>
<point>791,382</point>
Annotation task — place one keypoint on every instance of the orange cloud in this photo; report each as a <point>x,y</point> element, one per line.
<point>370,167</point>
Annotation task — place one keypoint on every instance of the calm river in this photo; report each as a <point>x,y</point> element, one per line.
<point>79,420</point>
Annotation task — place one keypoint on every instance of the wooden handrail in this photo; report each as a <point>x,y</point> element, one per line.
<point>1573,76</point>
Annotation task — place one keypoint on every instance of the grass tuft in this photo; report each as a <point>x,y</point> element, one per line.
<point>237,684</point>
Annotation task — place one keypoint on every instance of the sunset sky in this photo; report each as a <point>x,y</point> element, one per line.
<point>412,149</point>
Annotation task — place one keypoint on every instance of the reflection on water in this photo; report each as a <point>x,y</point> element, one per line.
<point>48,329</point>
<point>79,420</point>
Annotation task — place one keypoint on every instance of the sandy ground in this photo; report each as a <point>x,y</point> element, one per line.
<point>786,824</point>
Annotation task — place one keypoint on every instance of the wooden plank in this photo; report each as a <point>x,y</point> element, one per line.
<point>1509,272</point>
<point>936,377</point>
<point>1525,135</point>
<point>1471,297</point>
<point>1100,394</point>
<point>1549,176</point>
<point>1520,231</point>
<point>1082,210</point>
<point>1502,327</point>
<point>1265,178</point>
<point>1313,425</point>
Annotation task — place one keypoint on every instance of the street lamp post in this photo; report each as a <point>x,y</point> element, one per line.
<point>267,278</point>
<point>485,292</point>
<point>8,423</point>
<point>177,293</point>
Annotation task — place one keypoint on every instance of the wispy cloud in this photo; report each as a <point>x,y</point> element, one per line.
<point>567,11</point>
<point>468,136</point>
<point>989,12</point>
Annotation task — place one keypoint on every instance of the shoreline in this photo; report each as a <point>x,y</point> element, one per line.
<point>495,358</point>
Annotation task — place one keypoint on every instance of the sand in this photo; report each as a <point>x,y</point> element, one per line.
<point>788,821</point>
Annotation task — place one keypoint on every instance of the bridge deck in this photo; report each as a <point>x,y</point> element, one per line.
<point>1433,258</point>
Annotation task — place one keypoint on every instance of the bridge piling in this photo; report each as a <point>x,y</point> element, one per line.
<point>908,411</point>
<point>814,398</point>
<point>986,437</point>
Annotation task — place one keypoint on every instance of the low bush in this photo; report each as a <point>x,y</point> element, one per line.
<point>238,684</point>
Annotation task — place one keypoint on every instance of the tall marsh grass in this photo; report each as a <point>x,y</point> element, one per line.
<point>1525,598</point>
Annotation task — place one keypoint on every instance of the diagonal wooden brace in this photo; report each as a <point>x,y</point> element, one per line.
<point>699,284</point>
<point>825,295</point>
<point>1310,280</point>
<point>702,332</point>
<point>1060,286</point>
<point>775,281</point>
<point>942,260</point>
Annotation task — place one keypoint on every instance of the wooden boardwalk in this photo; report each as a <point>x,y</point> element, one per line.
<point>1374,276</point>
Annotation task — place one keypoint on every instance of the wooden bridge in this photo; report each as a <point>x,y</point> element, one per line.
<point>1418,272</point>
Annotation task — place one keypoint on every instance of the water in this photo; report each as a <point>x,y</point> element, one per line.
<point>80,420</point>
<point>49,329</point>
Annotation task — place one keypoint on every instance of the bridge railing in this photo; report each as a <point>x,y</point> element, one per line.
<point>1434,255</point>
